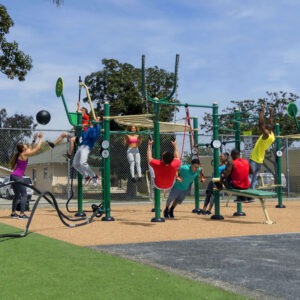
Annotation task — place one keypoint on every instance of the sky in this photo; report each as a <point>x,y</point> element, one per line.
<point>228,49</point>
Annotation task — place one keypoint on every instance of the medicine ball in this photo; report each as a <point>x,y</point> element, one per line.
<point>43,117</point>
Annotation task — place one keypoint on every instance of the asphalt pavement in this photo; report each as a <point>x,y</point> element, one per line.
<point>260,267</point>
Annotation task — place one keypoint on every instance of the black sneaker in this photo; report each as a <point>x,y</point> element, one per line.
<point>14,216</point>
<point>171,213</point>
<point>166,213</point>
<point>208,212</point>
<point>250,200</point>
<point>203,212</point>
<point>51,145</point>
<point>23,217</point>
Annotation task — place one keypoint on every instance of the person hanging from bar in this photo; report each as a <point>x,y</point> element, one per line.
<point>133,141</point>
<point>263,143</point>
<point>164,171</point>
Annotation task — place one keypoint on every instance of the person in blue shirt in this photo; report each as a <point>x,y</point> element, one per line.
<point>186,176</point>
<point>209,190</point>
<point>89,138</point>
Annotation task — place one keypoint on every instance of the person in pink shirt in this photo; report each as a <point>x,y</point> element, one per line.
<point>133,141</point>
<point>18,164</point>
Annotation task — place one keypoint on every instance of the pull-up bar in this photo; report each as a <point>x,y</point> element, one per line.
<point>144,90</point>
<point>186,105</point>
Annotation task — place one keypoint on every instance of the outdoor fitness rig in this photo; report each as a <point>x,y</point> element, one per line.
<point>216,143</point>
<point>237,120</point>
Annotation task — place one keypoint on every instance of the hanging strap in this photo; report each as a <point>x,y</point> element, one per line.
<point>192,138</point>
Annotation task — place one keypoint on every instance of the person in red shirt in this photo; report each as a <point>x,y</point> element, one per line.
<point>236,174</point>
<point>73,139</point>
<point>165,170</point>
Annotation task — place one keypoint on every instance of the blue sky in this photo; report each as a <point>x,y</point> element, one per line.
<point>229,49</point>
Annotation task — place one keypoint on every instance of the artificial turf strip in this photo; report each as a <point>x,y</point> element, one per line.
<point>38,267</point>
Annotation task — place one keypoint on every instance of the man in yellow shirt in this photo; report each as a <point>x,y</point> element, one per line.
<point>262,145</point>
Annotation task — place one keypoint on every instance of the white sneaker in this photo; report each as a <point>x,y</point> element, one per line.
<point>95,180</point>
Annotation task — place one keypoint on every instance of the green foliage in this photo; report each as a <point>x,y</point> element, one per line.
<point>13,62</point>
<point>120,85</point>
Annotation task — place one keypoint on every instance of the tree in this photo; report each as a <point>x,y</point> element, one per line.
<point>13,62</point>
<point>120,85</point>
<point>20,128</point>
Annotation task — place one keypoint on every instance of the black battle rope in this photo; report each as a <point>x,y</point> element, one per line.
<point>71,175</point>
<point>49,197</point>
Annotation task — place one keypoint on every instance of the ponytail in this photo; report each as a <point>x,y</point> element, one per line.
<point>13,161</point>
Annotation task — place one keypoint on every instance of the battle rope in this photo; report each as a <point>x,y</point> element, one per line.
<point>50,198</point>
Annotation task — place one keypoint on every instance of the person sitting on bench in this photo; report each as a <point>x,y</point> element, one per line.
<point>236,175</point>
<point>209,199</point>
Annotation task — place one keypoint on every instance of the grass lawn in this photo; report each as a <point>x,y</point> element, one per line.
<point>38,267</point>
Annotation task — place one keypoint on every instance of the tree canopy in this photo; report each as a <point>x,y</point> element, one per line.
<point>120,85</point>
<point>13,62</point>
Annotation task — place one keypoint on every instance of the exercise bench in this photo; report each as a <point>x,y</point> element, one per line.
<point>252,193</point>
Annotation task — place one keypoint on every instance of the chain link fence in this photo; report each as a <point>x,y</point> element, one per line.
<point>50,170</point>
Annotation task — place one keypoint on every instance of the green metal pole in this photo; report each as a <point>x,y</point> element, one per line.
<point>278,167</point>
<point>237,127</point>
<point>156,141</point>
<point>196,181</point>
<point>217,215</point>
<point>106,190</point>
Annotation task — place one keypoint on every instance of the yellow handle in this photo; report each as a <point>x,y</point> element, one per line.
<point>89,99</point>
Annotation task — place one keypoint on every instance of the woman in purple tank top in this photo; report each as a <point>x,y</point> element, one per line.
<point>18,164</point>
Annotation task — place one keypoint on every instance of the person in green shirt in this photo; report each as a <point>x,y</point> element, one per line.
<point>185,178</point>
<point>263,143</point>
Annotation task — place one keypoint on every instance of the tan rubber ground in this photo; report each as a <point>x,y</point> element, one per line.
<point>133,224</point>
